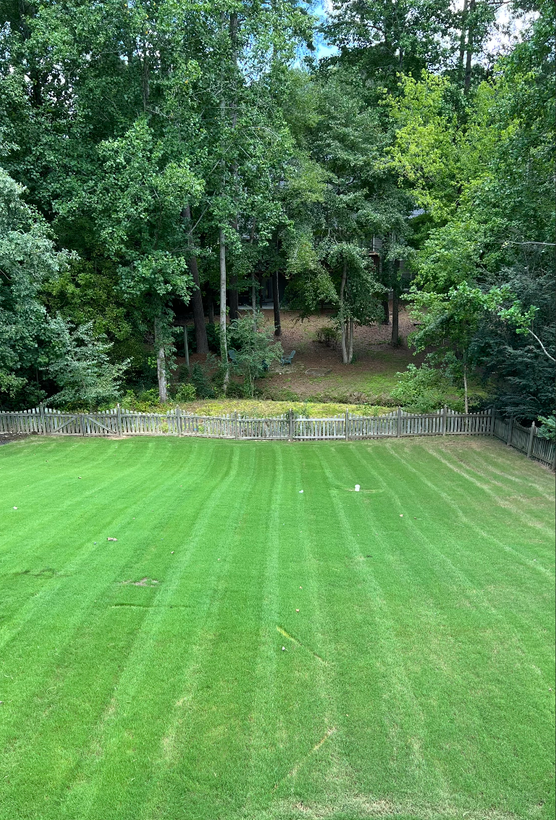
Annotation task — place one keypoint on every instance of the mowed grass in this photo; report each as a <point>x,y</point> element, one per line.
<point>169,674</point>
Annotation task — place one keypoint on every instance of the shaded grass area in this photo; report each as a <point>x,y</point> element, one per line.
<point>168,674</point>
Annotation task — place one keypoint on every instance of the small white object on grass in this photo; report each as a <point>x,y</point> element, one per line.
<point>15,508</point>
<point>301,491</point>
<point>401,515</point>
<point>283,649</point>
<point>357,487</point>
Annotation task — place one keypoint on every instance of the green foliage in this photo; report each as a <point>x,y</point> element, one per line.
<point>425,389</point>
<point>28,260</point>
<point>548,427</point>
<point>81,367</point>
<point>201,381</point>
<point>328,336</point>
<point>185,392</point>
<point>254,348</point>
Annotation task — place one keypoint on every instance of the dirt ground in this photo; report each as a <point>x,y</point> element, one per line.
<point>317,371</point>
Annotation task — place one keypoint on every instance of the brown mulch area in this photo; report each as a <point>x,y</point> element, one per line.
<point>314,361</point>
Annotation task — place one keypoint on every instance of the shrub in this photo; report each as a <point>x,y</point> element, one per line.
<point>548,427</point>
<point>422,389</point>
<point>254,347</point>
<point>185,392</point>
<point>150,397</point>
<point>329,336</point>
<point>200,380</point>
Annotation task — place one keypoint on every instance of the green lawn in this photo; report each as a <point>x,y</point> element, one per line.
<point>169,674</point>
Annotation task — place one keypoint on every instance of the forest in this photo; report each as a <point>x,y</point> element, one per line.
<point>165,162</point>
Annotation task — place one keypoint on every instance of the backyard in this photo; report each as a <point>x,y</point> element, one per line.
<point>206,629</point>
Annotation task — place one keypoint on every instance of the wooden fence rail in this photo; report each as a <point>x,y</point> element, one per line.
<point>398,423</point>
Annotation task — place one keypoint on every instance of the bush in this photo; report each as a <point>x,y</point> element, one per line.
<point>237,390</point>
<point>200,380</point>
<point>149,397</point>
<point>254,347</point>
<point>422,389</point>
<point>185,392</point>
<point>548,427</point>
<point>328,336</point>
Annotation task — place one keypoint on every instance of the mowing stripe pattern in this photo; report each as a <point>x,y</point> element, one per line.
<point>263,642</point>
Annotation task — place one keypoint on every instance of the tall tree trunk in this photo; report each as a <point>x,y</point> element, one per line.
<point>186,349</point>
<point>350,346</point>
<point>386,309</point>
<point>395,308</point>
<point>470,44</point>
<point>465,393</point>
<point>223,339</point>
<point>276,304</point>
<point>160,361</point>
<point>343,322</point>
<point>196,298</point>
<point>463,33</point>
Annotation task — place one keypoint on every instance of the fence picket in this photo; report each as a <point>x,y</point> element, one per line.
<point>398,423</point>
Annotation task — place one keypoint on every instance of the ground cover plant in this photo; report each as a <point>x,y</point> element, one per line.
<point>212,629</point>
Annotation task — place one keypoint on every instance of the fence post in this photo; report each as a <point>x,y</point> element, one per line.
<point>399,423</point>
<point>119,419</point>
<point>444,414</point>
<point>290,424</point>
<point>509,441</point>
<point>42,423</point>
<point>82,423</point>
<point>346,423</point>
<point>530,442</point>
<point>178,419</point>
<point>491,430</point>
<point>235,426</point>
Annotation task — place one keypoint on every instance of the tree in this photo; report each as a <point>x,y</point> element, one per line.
<point>254,349</point>
<point>494,229</point>
<point>28,259</point>
<point>79,364</point>
<point>347,199</point>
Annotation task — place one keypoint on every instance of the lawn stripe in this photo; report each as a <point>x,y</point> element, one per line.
<point>133,691</point>
<point>116,567</point>
<point>524,680</point>
<point>312,770</point>
<point>398,484</point>
<point>228,642</point>
<point>526,519</point>
<point>407,713</point>
<point>261,739</point>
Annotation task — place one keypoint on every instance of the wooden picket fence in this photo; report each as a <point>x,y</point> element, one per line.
<point>175,422</point>
<point>525,439</point>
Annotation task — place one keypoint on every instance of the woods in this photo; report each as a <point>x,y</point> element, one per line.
<point>159,159</point>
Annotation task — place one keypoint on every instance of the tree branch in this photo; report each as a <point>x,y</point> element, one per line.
<point>534,335</point>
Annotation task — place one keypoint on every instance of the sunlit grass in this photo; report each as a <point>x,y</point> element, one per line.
<point>262,642</point>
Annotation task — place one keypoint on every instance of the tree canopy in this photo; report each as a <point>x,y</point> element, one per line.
<point>160,157</point>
